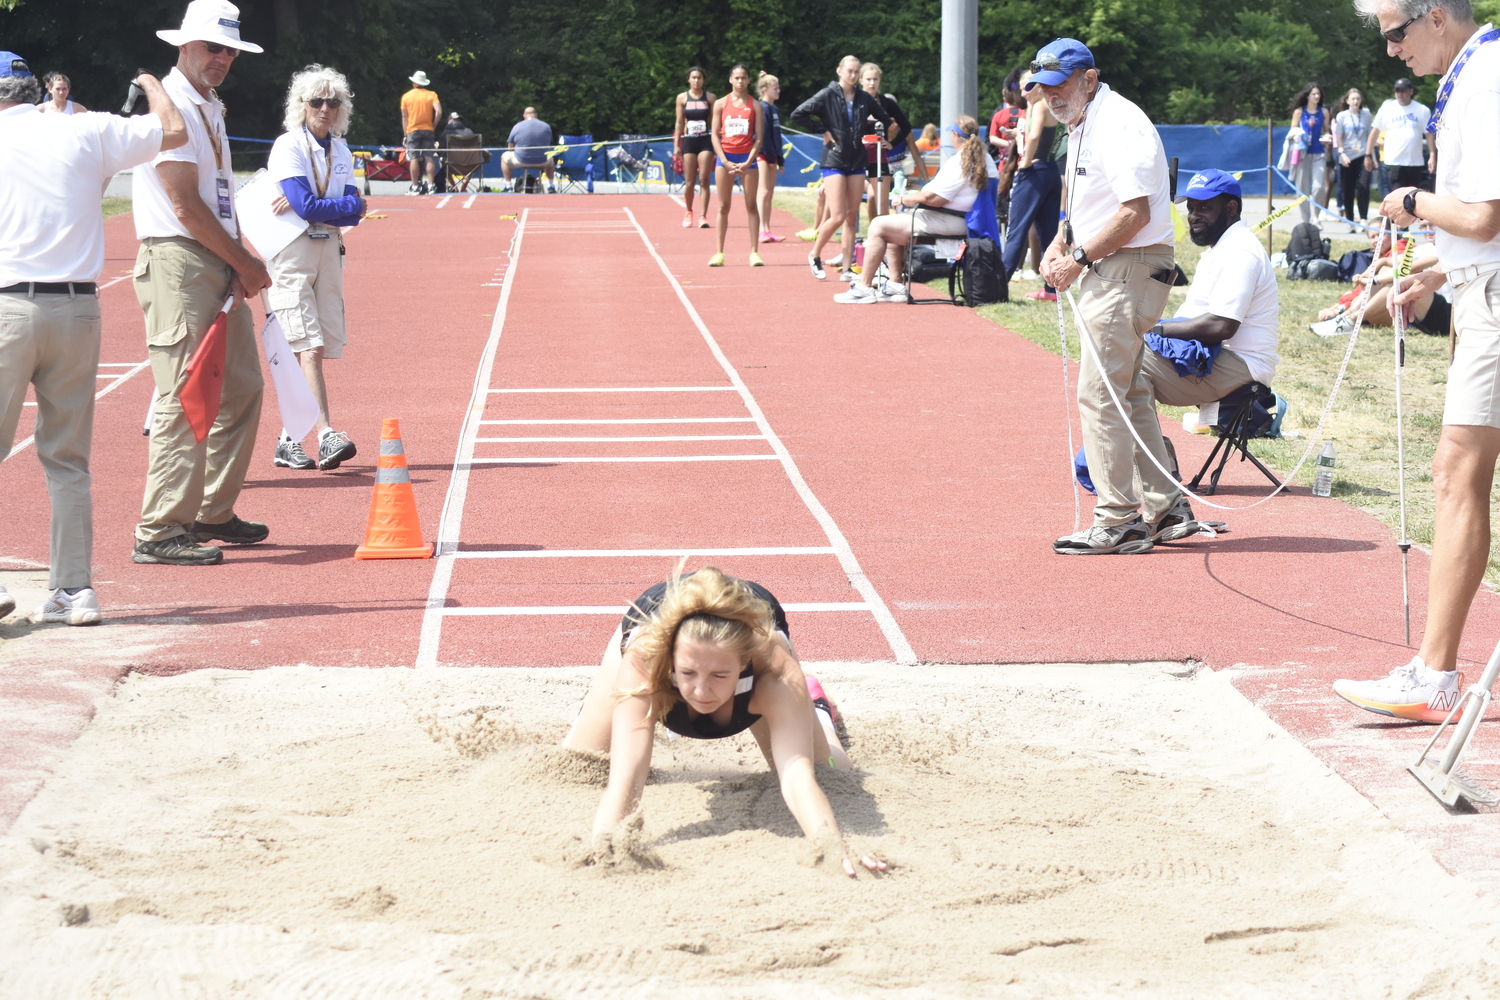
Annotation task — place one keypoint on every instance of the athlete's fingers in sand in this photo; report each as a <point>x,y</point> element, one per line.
<point>848,867</point>
<point>874,864</point>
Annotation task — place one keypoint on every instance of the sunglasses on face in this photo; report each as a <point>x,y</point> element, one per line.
<point>215,49</point>
<point>316,103</point>
<point>1398,33</point>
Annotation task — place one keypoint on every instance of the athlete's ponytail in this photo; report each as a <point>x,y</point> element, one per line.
<point>765,80</point>
<point>972,155</point>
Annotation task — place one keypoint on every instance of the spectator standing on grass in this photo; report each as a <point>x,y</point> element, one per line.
<point>315,170</point>
<point>526,149</point>
<point>772,158</point>
<point>58,101</point>
<point>1117,244</point>
<point>51,256</point>
<point>1003,139</point>
<point>1036,191</point>
<point>1407,149</point>
<point>190,261</point>
<point>1351,137</point>
<point>1442,38</point>
<point>420,112</point>
<point>1310,172</point>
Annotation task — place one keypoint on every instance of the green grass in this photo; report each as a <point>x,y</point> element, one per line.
<point>1363,422</point>
<point>114,206</point>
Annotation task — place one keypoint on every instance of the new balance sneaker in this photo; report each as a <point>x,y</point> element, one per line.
<point>1414,691</point>
<point>717,260</point>
<point>891,291</point>
<point>1339,326</point>
<point>807,235</point>
<point>816,266</point>
<point>1175,523</point>
<point>179,550</point>
<point>335,448</point>
<point>7,603</point>
<point>1128,539</point>
<point>859,294</point>
<point>234,531</point>
<point>289,455</point>
<point>78,608</point>
<point>755,260</point>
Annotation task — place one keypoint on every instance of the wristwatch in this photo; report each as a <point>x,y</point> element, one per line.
<point>1409,203</point>
<point>1081,257</point>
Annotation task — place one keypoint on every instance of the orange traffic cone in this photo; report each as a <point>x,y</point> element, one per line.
<point>393,532</point>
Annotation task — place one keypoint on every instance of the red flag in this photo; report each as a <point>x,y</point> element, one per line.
<point>204,386</point>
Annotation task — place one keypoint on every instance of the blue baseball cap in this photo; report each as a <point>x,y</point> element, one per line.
<point>1211,183</point>
<point>1057,60</point>
<point>13,65</point>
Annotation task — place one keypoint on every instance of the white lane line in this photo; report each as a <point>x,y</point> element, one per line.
<point>469,203</point>
<point>632,458</point>
<point>857,578</point>
<point>764,550</point>
<point>631,388</point>
<point>114,281</point>
<point>118,379</point>
<point>630,420</point>
<point>446,198</point>
<point>677,437</point>
<point>458,485</point>
<point>608,609</point>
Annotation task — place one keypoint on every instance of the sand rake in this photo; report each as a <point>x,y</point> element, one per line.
<point>1442,777</point>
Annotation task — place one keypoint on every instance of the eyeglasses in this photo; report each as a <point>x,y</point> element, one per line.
<point>1398,33</point>
<point>316,103</point>
<point>1047,61</point>
<point>215,49</point>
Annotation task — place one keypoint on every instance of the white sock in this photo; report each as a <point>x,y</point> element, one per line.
<point>324,434</point>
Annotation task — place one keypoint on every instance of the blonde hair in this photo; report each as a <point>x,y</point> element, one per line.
<point>318,81</point>
<point>972,155</point>
<point>864,69</point>
<point>706,606</point>
<point>843,61</point>
<point>766,80</point>
<point>929,132</point>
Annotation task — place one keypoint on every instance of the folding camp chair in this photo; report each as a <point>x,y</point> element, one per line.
<point>948,252</point>
<point>465,162</point>
<point>627,162</point>
<point>573,164</point>
<point>1235,432</point>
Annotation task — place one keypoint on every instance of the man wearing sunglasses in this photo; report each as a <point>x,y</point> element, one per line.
<point>190,261</point>
<point>1116,244</point>
<point>1402,125</point>
<point>1441,38</point>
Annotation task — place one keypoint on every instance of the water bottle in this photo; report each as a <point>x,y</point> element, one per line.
<point>898,188</point>
<point>1323,480</point>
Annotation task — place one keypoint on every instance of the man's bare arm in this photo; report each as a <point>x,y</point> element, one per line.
<point>173,129</point>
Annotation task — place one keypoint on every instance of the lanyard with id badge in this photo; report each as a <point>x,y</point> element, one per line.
<point>318,231</point>
<point>225,193</point>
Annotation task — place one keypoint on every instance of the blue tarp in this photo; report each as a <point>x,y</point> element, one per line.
<point>1234,148</point>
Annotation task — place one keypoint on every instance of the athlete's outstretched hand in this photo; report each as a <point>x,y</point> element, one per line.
<point>873,864</point>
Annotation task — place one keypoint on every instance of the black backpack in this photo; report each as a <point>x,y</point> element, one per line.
<point>1307,243</point>
<point>983,273</point>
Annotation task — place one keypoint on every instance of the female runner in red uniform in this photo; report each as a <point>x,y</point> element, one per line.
<point>692,143</point>
<point>739,128</point>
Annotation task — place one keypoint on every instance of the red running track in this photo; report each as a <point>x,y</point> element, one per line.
<point>933,439</point>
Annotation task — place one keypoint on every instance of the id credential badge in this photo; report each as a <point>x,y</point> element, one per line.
<point>226,204</point>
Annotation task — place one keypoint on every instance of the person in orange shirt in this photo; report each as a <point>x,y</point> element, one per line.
<point>420,113</point>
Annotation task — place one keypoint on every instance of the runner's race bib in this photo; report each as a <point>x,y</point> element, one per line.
<point>736,126</point>
<point>696,127</point>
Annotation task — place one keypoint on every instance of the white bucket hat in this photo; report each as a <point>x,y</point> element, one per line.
<point>419,78</point>
<point>209,21</point>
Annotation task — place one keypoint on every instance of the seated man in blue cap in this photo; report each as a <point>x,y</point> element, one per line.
<point>1224,335</point>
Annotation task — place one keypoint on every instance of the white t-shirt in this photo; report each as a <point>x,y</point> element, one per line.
<point>1235,280</point>
<point>55,169</point>
<point>1468,139</point>
<point>1353,131</point>
<point>152,207</point>
<point>951,184</point>
<point>289,158</point>
<point>1403,128</point>
<point>1116,156</point>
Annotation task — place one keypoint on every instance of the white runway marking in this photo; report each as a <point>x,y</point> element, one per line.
<point>633,388</point>
<point>632,458</point>
<point>601,609</point>
<point>446,198</point>
<point>765,550</point>
<point>469,202</point>
<point>678,437</point>
<point>631,420</point>
<point>119,378</point>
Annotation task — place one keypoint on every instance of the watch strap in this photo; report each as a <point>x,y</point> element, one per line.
<point>1409,203</point>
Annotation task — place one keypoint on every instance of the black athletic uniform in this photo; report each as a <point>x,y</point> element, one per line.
<point>897,152</point>
<point>677,720</point>
<point>827,111</point>
<point>697,115</point>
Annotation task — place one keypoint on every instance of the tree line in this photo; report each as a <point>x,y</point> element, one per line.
<point>604,67</point>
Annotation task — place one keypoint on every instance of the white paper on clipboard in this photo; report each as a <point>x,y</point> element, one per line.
<point>267,232</point>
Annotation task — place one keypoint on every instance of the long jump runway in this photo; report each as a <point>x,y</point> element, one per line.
<point>583,403</point>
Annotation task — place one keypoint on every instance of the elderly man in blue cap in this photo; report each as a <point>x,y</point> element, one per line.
<point>1228,322</point>
<point>1116,243</point>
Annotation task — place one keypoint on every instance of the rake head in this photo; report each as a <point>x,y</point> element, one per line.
<point>1441,776</point>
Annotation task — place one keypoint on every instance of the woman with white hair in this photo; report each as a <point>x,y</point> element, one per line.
<point>315,171</point>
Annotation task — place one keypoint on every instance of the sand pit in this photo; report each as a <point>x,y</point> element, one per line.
<point>1074,830</point>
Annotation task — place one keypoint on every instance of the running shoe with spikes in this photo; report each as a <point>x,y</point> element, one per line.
<point>816,265</point>
<point>807,235</point>
<point>859,294</point>
<point>687,220</point>
<point>755,260</point>
<point>1178,522</point>
<point>1128,539</point>
<point>78,608</point>
<point>717,260</point>
<point>1413,691</point>
<point>766,236</point>
<point>829,720</point>
<point>1338,326</point>
<point>289,455</point>
<point>703,222</point>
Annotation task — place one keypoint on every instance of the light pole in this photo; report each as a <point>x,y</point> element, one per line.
<point>960,66</point>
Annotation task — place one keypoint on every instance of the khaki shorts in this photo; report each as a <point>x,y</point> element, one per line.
<point>1474,377</point>
<point>938,223</point>
<point>307,292</point>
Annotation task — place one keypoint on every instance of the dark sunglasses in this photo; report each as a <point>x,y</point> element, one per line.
<point>214,49</point>
<point>317,102</point>
<point>1398,33</point>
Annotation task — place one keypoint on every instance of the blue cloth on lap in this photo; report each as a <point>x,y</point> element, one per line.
<point>1189,357</point>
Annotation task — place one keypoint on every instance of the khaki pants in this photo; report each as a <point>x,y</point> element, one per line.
<point>307,292</point>
<point>52,342</point>
<point>181,286</point>
<point>1230,372</point>
<point>1120,302</point>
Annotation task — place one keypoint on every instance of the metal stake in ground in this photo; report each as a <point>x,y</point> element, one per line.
<point>1398,323</point>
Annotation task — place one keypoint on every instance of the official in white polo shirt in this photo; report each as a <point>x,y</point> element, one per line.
<point>1465,211</point>
<point>1116,243</point>
<point>1232,302</point>
<point>190,261</point>
<point>51,254</point>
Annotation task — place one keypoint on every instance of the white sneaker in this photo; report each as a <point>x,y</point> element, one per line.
<point>848,276</point>
<point>892,291</point>
<point>835,260</point>
<point>7,603</point>
<point>551,188</point>
<point>414,189</point>
<point>81,608</point>
<point>1030,275</point>
<point>1414,691</point>
<point>859,294</point>
<point>1339,326</point>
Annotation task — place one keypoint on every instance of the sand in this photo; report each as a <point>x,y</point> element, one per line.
<point>1108,831</point>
